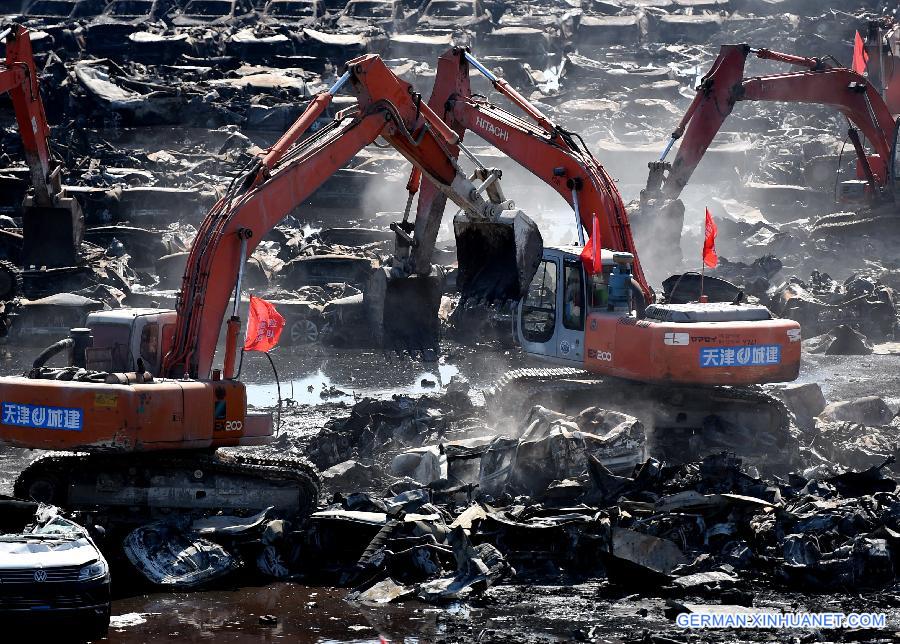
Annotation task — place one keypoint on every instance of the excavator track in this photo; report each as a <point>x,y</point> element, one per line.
<point>877,222</point>
<point>683,423</point>
<point>185,480</point>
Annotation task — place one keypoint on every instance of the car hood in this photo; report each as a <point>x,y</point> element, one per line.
<point>348,21</point>
<point>247,35</point>
<point>47,553</point>
<point>429,21</point>
<point>110,24</point>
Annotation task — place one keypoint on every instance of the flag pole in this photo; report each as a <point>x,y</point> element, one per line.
<point>702,275</point>
<point>703,260</point>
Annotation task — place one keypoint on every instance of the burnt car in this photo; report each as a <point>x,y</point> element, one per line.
<point>342,47</point>
<point>319,270</point>
<point>108,33</point>
<point>260,44</point>
<point>52,574</point>
<point>389,15</point>
<point>303,321</point>
<point>294,13</point>
<point>518,43</point>
<point>458,15</point>
<point>48,319</point>
<point>213,12</point>
<point>54,21</point>
<point>57,11</point>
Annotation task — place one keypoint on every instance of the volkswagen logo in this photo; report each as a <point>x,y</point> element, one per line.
<point>40,575</point>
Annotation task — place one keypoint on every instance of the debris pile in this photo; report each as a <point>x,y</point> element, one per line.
<point>154,107</point>
<point>157,107</point>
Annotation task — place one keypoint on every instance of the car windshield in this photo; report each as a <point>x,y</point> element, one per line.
<point>54,528</point>
<point>58,527</point>
<point>208,8</point>
<point>50,8</point>
<point>370,9</point>
<point>449,9</point>
<point>292,9</point>
<point>130,8</point>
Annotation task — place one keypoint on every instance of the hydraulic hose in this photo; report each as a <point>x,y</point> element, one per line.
<point>52,350</point>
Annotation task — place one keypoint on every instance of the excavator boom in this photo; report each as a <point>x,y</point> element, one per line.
<point>53,224</point>
<point>725,85</point>
<point>285,177</point>
<point>554,155</point>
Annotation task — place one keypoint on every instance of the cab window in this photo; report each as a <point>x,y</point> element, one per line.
<point>573,297</point>
<point>598,290</point>
<point>111,348</point>
<point>150,345</point>
<point>539,307</point>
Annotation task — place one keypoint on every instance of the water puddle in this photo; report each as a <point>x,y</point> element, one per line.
<point>280,612</point>
<point>314,388</point>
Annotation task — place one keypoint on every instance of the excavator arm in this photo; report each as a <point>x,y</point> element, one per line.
<point>18,76</point>
<point>558,157</point>
<point>284,178</point>
<point>53,223</point>
<point>819,83</point>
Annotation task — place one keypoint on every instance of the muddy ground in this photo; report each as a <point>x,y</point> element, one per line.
<point>529,609</point>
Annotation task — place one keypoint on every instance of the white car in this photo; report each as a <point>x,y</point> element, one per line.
<point>51,571</point>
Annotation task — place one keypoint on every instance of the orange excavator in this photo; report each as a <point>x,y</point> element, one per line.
<point>681,362</point>
<point>53,225</point>
<point>821,81</point>
<point>141,398</point>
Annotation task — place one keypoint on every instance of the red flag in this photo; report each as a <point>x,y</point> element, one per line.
<point>860,55</point>
<point>709,243</point>
<point>264,326</point>
<point>590,254</point>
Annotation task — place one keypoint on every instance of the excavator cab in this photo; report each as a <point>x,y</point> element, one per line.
<point>129,340</point>
<point>599,323</point>
<point>550,319</point>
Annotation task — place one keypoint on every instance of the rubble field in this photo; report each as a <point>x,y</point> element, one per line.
<point>714,533</point>
<point>463,497</point>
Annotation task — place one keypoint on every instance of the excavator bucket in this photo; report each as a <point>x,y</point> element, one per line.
<point>403,311</point>
<point>497,259</point>
<point>52,234</point>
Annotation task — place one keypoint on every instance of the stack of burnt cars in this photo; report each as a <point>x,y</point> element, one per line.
<point>276,32</point>
<point>157,103</point>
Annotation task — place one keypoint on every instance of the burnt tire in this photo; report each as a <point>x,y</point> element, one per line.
<point>43,487</point>
<point>302,331</point>
<point>10,281</point>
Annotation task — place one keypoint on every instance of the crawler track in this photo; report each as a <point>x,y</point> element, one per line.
<point>876,222</point>
<point>683,423</point>
<point>188,480</point>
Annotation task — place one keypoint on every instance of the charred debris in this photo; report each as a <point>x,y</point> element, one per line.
<point>156,106</point>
